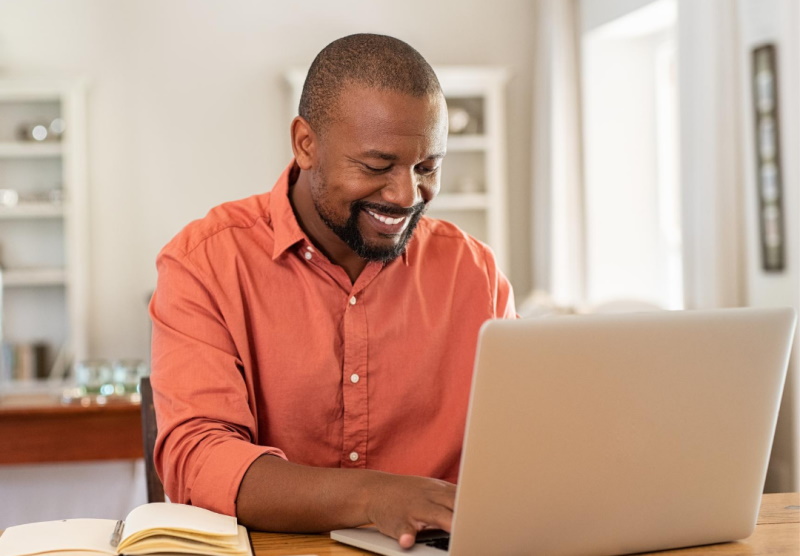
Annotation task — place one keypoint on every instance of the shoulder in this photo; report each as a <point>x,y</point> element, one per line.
<point>221,224</point>
<point>433,230</point>
<point>445,240</point>
<point>451,250</point>
<point>447,259</point>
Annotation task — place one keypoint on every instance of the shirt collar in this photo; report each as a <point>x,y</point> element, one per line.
<point>284,222</point>
<point>406,256</point>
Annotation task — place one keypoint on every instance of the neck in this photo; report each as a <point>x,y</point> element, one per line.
<point>323,238</point>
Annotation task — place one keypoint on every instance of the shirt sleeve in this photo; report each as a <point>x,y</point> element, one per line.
<point>205,411</point>
<point>504,298</point>
<point>503,305</point>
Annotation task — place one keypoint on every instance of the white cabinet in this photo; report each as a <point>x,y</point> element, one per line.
<point>42,229</point>
<point>473,192</point>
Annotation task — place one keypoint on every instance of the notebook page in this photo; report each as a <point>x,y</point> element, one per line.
<point>174,546</point>
<point>163,515</point>
<point>88,535</point>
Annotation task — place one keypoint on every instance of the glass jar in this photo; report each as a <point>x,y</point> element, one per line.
<point>93,377</point>
<point>126,374</point>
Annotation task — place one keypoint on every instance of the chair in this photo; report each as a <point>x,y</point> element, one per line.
<point>155,490</point>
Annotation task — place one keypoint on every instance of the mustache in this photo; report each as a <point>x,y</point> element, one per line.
<point>388,209</point>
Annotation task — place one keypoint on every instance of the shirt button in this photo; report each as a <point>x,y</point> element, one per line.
<point>353,456</point>
<point>308,255</point>
<point>354,378</point>
<point>353,300</point>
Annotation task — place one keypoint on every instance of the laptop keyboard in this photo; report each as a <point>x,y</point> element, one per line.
<point>435,539</point>
<point>441,544</point>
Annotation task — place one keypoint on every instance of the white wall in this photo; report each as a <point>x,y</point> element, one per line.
<point>187,109</point>
<point>777,22</point>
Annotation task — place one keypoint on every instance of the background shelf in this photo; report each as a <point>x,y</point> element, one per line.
<point>43,244</point>
<point>20,149</point>
<point>33,210</point>
<point>27,277</point>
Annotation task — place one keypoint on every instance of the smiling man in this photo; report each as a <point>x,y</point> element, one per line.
<point>362,192</point>
<point>313,345</point>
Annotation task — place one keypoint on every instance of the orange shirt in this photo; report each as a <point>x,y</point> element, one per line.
<point>262,346</point>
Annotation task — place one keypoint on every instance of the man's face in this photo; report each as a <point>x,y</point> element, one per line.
<point>378,167</point>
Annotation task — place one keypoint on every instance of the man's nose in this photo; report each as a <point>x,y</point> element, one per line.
<point>403,190</point>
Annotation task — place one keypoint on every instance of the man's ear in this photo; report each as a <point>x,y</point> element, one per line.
<point>304,143</point>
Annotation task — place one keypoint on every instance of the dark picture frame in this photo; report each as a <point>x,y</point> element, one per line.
<point>769,176</point>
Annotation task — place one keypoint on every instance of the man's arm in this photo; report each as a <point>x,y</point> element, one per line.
<point>277,495</point>
<point>206,455</point>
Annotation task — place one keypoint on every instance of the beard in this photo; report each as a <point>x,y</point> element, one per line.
<point>351,235</point>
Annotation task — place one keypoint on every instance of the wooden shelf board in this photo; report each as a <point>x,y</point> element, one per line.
<point>22,149</point>
<point>21,277</point>
<point>33,210</point>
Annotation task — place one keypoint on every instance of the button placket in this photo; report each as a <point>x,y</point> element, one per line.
<point>354,386</point>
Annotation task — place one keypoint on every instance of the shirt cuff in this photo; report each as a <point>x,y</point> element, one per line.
<point>216,486</point>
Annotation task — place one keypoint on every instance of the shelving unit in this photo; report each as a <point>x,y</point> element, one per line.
<point>21,149</point>
<point>32,277</point>
<point>43,238</point>
<point>35,209</point>
<point>474,175</point>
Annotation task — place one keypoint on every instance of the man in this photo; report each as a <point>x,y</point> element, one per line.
<point>313,346</point>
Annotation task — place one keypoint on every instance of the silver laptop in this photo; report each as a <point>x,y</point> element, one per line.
<point>615,434</point>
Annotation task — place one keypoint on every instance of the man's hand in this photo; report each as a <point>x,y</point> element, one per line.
<point>401,506</point>
<point>276,495</point>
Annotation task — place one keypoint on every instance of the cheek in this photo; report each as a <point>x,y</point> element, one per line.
<point>340,186</point>
<point>318,185</point>
<point>334,196</point>
<point>355,186</point>
<point>430,188</point>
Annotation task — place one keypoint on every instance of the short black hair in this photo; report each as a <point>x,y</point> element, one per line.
<point>375,61</point>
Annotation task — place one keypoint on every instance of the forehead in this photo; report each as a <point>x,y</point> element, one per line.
<point>382,119</point>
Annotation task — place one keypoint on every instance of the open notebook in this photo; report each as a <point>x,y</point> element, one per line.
<point>149,529</point>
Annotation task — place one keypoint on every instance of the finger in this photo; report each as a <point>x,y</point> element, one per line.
<point>407,540</point>
<point>436,517</point>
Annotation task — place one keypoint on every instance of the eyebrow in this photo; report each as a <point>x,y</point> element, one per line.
<point>380,155</point>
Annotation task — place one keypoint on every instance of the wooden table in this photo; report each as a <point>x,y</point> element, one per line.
<point>48,433</point>
<point>777,534</point>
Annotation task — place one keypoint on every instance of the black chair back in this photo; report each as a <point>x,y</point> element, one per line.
<point>155,490</point>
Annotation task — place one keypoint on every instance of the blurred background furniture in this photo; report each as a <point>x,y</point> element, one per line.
<point>43,228</point>
<point>155,490</point>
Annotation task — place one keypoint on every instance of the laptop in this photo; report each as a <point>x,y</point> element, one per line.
<point>614,434</point>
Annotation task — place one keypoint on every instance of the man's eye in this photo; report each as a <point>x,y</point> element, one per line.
<point>377,170</point>
<point>424,170</point>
